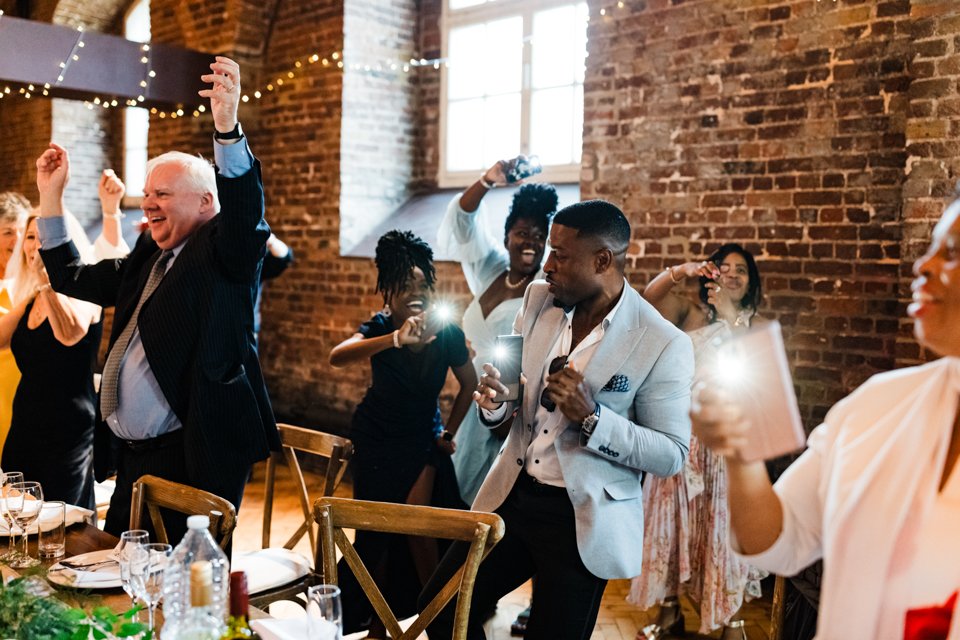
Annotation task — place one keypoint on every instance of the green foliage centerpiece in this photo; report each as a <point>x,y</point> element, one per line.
<point>30,611</point>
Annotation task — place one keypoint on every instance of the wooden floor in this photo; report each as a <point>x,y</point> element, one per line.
<point>618,620</point>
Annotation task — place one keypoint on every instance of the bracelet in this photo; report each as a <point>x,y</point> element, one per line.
<point>396,338</point>
<point>483,182</point>
<point>43,287</point>
<point>120,215</point>
<point>672,279</point>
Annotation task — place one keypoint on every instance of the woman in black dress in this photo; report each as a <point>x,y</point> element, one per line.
<point>402,450</point>
<point>54,340</point>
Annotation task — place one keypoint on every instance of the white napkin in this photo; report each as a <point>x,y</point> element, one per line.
<point>289,629</point>
<point>106,574</point>
<point>74,515</point>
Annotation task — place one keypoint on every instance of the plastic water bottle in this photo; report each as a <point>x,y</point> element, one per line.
<point>197,546</point>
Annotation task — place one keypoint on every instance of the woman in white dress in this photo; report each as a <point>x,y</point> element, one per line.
<point>497,274</point>
<point>686,519</point>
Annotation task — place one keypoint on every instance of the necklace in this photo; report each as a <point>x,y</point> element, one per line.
<point>510,285</point>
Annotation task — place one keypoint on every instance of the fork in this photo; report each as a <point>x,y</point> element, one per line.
<point>86,566</point>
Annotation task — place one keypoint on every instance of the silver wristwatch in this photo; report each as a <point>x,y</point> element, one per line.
<point>590,422</point>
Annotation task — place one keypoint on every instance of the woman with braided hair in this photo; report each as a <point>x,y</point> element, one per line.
<point>401,448</point>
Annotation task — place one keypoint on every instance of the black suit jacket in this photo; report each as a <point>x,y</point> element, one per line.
<point>196,328</point>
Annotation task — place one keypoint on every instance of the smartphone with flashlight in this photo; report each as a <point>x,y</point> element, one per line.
<point>436,318</point>
<point>508,353</point>
<point>523,167</point>
<point>754,370</point>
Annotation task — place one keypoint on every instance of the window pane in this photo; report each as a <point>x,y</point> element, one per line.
<point>466,62</point>
<point>577,150</point>
<point>465,135</point>
<point>136,129</point>
<point>552,31</point>
<point>551,125</point>
<point>136,25</point>
<point>503,56</point>
<point>502,130</point>
<point>580,40</point>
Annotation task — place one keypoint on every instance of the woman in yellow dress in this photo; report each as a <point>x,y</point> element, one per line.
<point>14,209</point>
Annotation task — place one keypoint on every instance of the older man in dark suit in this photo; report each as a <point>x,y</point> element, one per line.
<point>182,395</point>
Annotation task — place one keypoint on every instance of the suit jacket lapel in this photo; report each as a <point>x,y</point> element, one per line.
<point>537,342</point>
<point>619,342</point>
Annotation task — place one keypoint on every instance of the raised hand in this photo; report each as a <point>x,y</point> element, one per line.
<point>53,172</point>
<point>110,190</point>
<point>718,421</point>
<point>224,93</point>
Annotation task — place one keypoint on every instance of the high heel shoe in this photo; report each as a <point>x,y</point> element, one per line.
<point>670,622</point>
<point>734,630</point>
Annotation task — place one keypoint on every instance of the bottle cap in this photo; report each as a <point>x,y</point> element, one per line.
<point>201,583</point>
<point>198,522</point>
<point>239,599</point>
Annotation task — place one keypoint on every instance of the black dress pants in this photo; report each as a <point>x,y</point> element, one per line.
<point>164,459</point>
<point>540,540</point>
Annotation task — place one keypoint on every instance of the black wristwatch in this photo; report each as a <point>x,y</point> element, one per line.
<point>590,423</point>
<point>446,436</point>
<point>235,134</point>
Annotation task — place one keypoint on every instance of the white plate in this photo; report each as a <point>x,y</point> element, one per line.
<point>107,577</point>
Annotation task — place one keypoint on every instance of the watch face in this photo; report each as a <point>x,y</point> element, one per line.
<point>446,435</point>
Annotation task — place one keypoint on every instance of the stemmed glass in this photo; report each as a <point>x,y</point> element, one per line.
<point>7,479</point>
<point>130,541</point>
<point>25,499</point>
<point>146,573</point>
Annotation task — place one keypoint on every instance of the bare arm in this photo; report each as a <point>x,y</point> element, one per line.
<point>110,191</point>
<point>680,311</point>
<point>69,318</point>
<point>495,176</point>
<point>467,377</point>
<point>756,514</point>
<point>10,320</point>
<point>357,347</point>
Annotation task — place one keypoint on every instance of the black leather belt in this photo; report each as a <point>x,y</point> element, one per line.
<point>529,483</point>
<point>152,444</point>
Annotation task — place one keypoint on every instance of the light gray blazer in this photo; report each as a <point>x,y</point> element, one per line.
<point>640,374</point>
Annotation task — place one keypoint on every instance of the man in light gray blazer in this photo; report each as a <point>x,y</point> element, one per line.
<point>606,400</point>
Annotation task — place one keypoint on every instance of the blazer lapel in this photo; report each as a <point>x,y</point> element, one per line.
<point>619,342</point>
<point>537,341</point>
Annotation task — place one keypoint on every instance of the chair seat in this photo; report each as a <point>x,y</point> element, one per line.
<point>270,568</point>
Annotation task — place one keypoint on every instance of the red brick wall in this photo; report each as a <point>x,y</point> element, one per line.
<point>785,126</point>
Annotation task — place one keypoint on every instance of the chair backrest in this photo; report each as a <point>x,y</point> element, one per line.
<point>481,530</point>
<point>151,493</point>
<point>334,449</point>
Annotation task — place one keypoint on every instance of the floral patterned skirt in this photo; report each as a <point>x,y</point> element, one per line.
<point>686,527</point>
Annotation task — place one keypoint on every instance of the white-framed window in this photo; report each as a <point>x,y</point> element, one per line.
<point>512,83</point>
<point>136,120</point>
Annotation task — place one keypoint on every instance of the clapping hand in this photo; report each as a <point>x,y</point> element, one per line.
<point>224,95</point>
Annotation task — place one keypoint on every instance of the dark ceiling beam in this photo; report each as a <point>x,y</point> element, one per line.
<point>106,66</point>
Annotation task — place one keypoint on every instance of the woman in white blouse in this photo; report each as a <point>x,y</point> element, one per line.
<point>877,493</point>
<point>498,274</point>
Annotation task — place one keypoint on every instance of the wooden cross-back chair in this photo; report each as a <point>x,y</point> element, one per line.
<point>481,530</point>
<point>335,450</point>
<point>151,493</point>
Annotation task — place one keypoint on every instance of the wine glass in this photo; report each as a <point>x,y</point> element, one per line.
<point>147,564</point>
<point>324,615</point>
<point>7,479</point>
<point>129,542</point>
<point>26,498</point>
